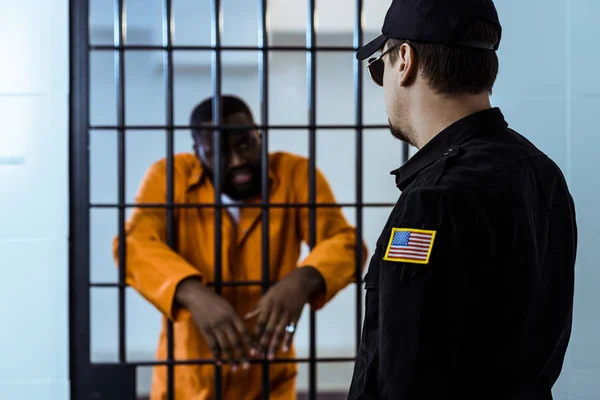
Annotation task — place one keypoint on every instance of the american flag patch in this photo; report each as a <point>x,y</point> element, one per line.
<point>410,246</point>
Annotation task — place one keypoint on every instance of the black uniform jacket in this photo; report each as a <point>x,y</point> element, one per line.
<point>469,293</point>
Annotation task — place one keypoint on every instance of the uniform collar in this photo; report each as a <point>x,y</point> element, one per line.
<point>447,141</point>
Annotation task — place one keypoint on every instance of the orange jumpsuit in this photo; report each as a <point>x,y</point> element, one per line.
<point>154,270</point>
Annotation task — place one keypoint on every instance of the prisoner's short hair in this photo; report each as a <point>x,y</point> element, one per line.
<point>230,105</point>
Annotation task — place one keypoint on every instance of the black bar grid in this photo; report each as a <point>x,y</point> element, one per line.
<point>242,127</point>
<point>254,205</point>
<point>209,361</point>
<point>223,48</point>
<point>212,284</point>
<point>81,205</point>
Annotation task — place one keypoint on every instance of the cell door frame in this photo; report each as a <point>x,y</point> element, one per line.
<point>79,244</point>
<point>87,380</point>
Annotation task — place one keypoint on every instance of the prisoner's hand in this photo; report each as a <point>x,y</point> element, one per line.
<point>223,329</point>
<point>280,309</point>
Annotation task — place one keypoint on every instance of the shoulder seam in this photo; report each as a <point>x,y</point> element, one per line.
<point>493,170</point>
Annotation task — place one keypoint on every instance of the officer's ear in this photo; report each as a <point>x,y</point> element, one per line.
<point>407,67</point>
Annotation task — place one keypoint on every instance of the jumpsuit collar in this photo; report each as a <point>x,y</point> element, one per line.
<point>198,174</point>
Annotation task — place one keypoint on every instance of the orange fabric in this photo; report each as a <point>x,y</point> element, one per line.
<point>154,270</point>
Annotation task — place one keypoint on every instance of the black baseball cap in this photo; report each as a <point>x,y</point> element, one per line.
<point>432,21</point>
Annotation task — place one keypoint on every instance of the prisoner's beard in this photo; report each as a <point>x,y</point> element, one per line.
<point>402,135</point>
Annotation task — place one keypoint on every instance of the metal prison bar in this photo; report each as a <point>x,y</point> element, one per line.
<point>170,234</point>
<point>216,119</point>
<point>263,69</point>
<point>358,100</point>
<point>88,378</point>
<point>119,40</point>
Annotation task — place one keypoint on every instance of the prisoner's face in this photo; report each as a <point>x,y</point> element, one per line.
<point>240,157</point>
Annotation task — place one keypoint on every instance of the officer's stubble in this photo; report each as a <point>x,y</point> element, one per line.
<point>401,134</point>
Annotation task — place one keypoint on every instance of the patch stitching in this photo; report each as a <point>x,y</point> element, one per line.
<point>387,257</point>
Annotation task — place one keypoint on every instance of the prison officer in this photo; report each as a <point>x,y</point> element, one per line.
<point>241,323</point>
<point>469,293</point>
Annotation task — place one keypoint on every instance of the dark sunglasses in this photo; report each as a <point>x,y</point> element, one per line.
<point>376,67</point>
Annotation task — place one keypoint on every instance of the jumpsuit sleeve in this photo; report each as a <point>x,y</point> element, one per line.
<point>334,253</point>
<point>422,302</point>
<point>152,268</point>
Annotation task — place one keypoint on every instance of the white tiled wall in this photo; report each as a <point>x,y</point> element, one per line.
<point>34,203</point>
<point>550,88</point>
